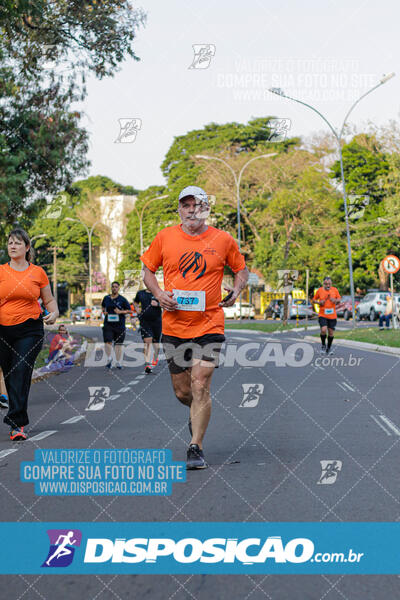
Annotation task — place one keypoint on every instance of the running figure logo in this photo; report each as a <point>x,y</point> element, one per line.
<point>98,396</point>
<point>251,394</point>
<point>278,129</point>
<point>62,547</point>
<point>330,471</point>
<point>192,261</point>
<point>128,129</point>
<point>54,209</point>
<point>203,54</point>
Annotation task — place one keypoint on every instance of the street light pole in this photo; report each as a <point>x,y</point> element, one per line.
<point>89,234</point>
<point>40,235</point>
<point>140,217</point>
<point>55,248</point>
<point>237,184</point>
<point>338,138</point>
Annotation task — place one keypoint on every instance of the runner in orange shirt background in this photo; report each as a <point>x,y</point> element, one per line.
<point>193,256</point>
<point>327,297</point>
<point>21,325</point>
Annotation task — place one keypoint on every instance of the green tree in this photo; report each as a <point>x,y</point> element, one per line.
<point>365,166</point>
<point>368,169</point>
<point>157,214</point>
<point>47,49</point>
<point>297,227</point>
<point>78,202</point>
<point>234,142</point>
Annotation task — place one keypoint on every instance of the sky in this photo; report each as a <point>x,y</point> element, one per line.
<point>324,53</point>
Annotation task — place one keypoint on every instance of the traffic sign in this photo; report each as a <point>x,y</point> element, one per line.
<point>253,280</point>
<point>391,264</point>
<point>287,277</point>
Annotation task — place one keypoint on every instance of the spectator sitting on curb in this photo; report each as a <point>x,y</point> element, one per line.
<point>62,344</point>
<point>388,313</point>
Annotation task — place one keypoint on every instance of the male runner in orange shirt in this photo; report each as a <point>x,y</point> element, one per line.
<point>327,297</point>
<point>193,256</point>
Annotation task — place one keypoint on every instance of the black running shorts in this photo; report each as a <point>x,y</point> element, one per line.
<point>324,322</point>
<point>113,334</point>
<point>182,353</point>
<point>150,329</point>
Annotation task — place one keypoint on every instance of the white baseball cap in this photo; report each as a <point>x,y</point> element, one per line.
<point>196,192</point>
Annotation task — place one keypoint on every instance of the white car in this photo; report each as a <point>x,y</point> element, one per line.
<point>96,312</point>
<point>372,305</point>
<point>233,312</point>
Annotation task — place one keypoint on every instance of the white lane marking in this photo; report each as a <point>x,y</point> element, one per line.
<point>41,436</point>
<point>348,386</point>
<point>140,376</point>
<point>389,423</point>
<point>380,425</point>
<point>133,382</point>
<point>319,367</point>
<point>242,339</point>
<point>73,420</point>
<point>114,397</point>
<point>345,386</point>
<point>5,453</point>
<point>123,389</point>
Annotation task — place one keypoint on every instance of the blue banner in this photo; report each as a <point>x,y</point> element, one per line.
<point>110,472</point>
<point>212,548</point>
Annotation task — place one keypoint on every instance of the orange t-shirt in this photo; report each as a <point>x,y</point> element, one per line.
<point>328,309</point>
<point>57,342</point>
<point>19,293</point>
<point>194,263</point>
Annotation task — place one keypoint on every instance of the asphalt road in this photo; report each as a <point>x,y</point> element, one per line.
<point>264,452</point>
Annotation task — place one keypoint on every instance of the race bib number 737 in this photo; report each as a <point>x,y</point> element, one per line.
<point>190,300</point>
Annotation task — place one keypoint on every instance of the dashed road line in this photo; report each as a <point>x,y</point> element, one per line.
<point>377,421</point>
<point>5,453</point>
<point>345,386</point>
<point>72,420</point>
<point>390,424</point>
<point>123,389</point>
<point>42,435</point>
<point>319,367</point>
<point>241,339</point>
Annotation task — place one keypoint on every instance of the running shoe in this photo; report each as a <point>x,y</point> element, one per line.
<point>109,364</point>
<point>119,366</point>
<point>17,434</point>
<point>195,458</point>
<point>154,363</point>
<point>329,352</point>
<point>3,401</point>
<point>323,349</point>
<point>147,369</point>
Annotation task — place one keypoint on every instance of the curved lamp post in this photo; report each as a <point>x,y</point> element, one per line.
<point>338,137</point>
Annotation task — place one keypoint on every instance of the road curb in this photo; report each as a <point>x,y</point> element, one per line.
<point>360,346</point>
<point>260,332</point>
<point>44,372</point>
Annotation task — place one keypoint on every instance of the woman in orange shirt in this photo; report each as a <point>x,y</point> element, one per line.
<point>21,325</point>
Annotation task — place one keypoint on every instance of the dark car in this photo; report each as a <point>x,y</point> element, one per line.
<point>273,309</point>
<point>344,308</point>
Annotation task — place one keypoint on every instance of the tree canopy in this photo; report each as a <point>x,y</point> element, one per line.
<point>47,49</point>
